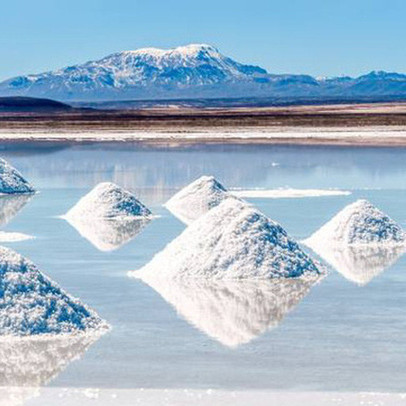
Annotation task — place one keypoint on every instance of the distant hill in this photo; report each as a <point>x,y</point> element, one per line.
<point>195,71</point>
<point>31,104</point>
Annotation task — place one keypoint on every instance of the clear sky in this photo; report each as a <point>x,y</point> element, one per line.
<point>318,37</point>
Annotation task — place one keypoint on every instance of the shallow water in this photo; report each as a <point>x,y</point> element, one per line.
<point>335,336</point>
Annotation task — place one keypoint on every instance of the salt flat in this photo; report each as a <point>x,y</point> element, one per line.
<point>336,340</point>
<point>186,397</point>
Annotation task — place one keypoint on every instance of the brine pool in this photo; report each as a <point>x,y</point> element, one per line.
<point>347,333</point>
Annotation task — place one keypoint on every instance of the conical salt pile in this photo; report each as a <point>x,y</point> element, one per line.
<point>32,304</point>
<point>359,223</point>
<point>197,199</point>
<point>11,181</point>
<point>108,200</point>
<point>231,241</point>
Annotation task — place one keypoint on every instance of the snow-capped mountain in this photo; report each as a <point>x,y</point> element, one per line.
<point>191,71</point>
<point>195,70</point>
<point>147,72</point>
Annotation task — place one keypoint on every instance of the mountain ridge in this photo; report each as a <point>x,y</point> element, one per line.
<point>190,71</point>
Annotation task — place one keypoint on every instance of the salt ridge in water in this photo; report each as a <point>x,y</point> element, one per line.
<point>197,199</point>
<point>231,241</point>
<point>32,304</point>
<point>289,193</point>
<point>108,200</point>
<point>11,181</point>
<point>9,236</point>
<point>359,223</point>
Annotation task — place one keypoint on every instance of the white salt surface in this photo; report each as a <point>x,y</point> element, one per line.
<point>233,312</point>
<point>33,305</point>
<point>231,241</point>
<point>11,181</point>
<point>288,193</point>
<point>197,198</point>
<point>108,200</point>
<point>359,223</point>
<point>209,397</point>
<point>345,133</point>
<point>8,236</point>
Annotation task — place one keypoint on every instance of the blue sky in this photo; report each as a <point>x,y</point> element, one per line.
<point>318,37</point>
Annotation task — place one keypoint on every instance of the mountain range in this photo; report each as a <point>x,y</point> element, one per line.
<point>187,72</point>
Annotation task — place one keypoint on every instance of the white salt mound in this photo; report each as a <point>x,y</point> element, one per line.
<point>231,241</point>
<point>359,223</point>
<point>32,304</point>
<point>108,200</point>
<point>11,181</point>
<point>197,199</point>
<point>233,312</point>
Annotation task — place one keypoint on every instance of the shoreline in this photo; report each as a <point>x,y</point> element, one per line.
<point>358,125</point>
<point>357,137</point>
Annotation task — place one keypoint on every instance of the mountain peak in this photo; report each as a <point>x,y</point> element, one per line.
<point>185,51</point>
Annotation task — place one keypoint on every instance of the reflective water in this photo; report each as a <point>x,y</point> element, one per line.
<point>335,335</point>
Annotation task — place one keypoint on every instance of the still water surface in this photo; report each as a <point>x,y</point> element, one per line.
<point>338,335</point>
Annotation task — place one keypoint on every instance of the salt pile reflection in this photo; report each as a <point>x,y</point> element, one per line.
<point>108,234</point>
<point>26,364</point>
<point>233,312</point>
<point>360,264</point>
<point>10,206</point>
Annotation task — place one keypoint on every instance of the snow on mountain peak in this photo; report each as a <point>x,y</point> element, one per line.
<point>190,50</point>
<point>193,55</point>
